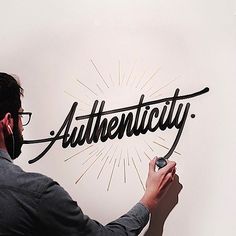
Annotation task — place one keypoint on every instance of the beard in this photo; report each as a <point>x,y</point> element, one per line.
<point>14,143</point>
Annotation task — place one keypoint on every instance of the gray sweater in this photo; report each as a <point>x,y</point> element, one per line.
<point>33,204</point>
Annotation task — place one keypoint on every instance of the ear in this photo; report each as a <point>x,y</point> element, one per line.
<point>7,123</point>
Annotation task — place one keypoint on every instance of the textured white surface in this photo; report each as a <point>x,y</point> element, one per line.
<point>49,45</point>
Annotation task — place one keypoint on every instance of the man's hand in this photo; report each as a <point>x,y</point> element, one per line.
<point>158,183</point>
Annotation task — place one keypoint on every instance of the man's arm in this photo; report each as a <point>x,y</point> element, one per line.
<point>59,215</point>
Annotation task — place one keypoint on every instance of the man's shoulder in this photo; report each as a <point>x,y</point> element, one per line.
<point>34,182</point>
<point>30,183</point>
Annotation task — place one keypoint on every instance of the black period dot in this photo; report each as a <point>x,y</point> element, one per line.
<point>52,132</point>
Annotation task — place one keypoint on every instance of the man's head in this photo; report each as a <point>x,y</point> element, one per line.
<point>10,122</point>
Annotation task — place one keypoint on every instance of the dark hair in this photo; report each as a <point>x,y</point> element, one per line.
<point>10,95</point>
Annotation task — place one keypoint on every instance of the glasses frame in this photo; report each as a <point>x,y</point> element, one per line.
<point>29,114</point>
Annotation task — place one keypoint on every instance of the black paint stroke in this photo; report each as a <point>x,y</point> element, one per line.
<point>128,124</point>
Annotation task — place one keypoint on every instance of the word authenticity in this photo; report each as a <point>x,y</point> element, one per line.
<point>133,120</point>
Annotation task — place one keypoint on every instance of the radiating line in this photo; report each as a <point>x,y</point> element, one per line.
<point>165,147</point>
<point>161,145</point>
<point>103,158</point>
<point>128,156</point>
<point>106,153</point>
<point>93,151</point>
<point>102,167</point>
<point>120,158</point>
<point>86,170</point>
<point>94,154</point>
<point>111,175</point>
<point>99,73</point>
<point>99,154</point>
<point>86,87</point>
<point>130,74</point>
<point>140,79</point>
<point>123,78</point>
<point>138,155</point>
<point>157,96</point>
<point>89,97</point>
<point>148,90</point>
<point>101,150</point>
<point>161,138</point>
<point>152,76</point>
<point>80,101</point>
<point>138,174</point>
<point>76,98</point>
<point>149,146</point>
<point>71,95</point>
<point>124,172</point>
<point>163,86</point>
<point>134,80</point>
<point>78,153</point>
<point>147,156</point>
<point>100,89</point>
<point>113,155</point>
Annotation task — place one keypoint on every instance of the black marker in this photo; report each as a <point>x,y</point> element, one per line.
<point>161,162</point>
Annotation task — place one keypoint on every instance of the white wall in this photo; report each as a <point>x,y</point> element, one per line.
<point>50,44</point>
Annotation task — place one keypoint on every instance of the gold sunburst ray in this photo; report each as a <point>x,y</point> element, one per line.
<point>69,158</point>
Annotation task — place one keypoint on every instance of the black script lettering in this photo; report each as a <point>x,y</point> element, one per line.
<point>56,137</point>
<point>111,126</point>
<point>168,114</point>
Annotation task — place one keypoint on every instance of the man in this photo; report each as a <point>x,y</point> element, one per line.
<point>33,204</point>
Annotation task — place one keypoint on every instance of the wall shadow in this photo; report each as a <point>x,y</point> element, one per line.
<point>166,205</point>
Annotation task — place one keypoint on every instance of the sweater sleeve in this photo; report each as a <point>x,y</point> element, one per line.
<point>59,215</point>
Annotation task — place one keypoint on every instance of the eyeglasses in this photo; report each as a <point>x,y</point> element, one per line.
<point>25,117</point>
